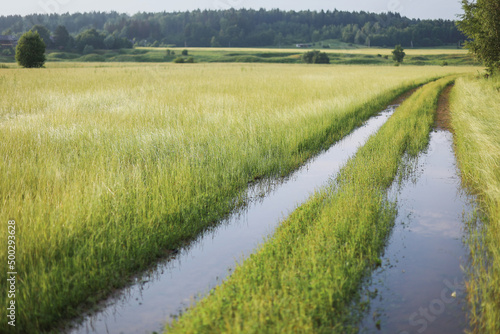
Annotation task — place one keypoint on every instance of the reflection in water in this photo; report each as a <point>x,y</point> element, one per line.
<point>420,286</point>
<point>146,306</point>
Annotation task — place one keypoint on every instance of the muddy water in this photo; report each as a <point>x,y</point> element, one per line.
<point>154,299</point>
<point>420,286</point>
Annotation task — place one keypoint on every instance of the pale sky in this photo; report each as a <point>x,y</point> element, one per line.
<point>423,9</point>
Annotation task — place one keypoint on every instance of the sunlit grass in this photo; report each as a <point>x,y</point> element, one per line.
<point>303,278</point>
<point>475,109</point>
<point>106,169</point>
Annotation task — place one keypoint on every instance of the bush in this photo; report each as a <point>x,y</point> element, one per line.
<point>92,58</point>
<point>398,54</point>
<point>179,60</point>
<point>62,55</point>
<point>30,51</point>
<point>315,57</point>
<point>138,52</point>
<point>190,60</point>
<point>88,49</point>
<point>184,52</point>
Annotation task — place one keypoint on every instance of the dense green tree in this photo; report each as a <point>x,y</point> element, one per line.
<point>119,42</point>
<point>61,37</point>
<point>109,42</point>
<point>44,34</point>
<point>90,37</point>
<point>316,36</point>
<point>398,54</point>
<point>30,50</point>
<point>481,23</point>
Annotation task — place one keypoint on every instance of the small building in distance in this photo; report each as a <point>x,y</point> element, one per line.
<point>7,41</point>
<point>304,45</point>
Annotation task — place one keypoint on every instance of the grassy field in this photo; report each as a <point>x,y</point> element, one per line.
<point>475,107</point>
<point>303,279</point>
<point>368,56</point>
<point>107,169</point>
<point>340,56</point>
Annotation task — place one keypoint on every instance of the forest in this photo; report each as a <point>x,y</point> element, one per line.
<point>238,28</point>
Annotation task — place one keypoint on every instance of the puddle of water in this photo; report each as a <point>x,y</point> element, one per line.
<point>420,286</point>
<point>146,306</point>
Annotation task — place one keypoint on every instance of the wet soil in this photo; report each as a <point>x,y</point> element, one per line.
<point>443,117</point>
<point>401,98</point>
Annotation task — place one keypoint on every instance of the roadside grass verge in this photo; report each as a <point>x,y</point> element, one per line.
<point>107,169</point>
<point>475,112</point>
<point>305,277</point>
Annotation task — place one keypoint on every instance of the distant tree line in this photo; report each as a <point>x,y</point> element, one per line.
<point>88,39</point>
<point>244,27</point>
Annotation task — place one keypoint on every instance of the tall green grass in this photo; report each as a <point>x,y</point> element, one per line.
<point>475,107</point>
<point>303,278</point>
<point>107,169</point>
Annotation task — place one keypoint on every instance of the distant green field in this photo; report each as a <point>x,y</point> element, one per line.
<point>340,56</point>
<point>369,51</point>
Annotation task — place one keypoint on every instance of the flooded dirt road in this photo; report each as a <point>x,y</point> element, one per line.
<point>420,286</point>
<point>153,300</point>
